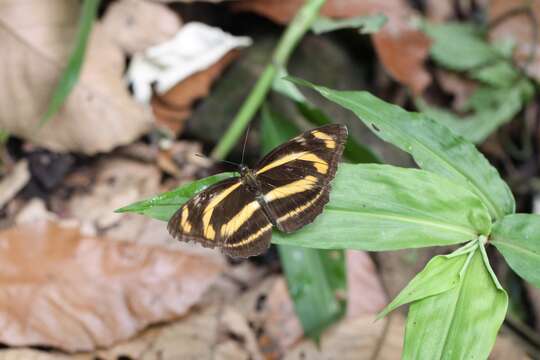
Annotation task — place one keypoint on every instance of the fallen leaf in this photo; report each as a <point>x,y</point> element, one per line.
<point>174,106</point>
<point>13,181</point>
<point>401,47</point>
<point>118,181</point>
<point>365,293</point>
<point>507,347</point>
<point>88,292</point>
<point>98,115</point>
<point>194,48</point>
<point>520,29</point>
<point>356,338</point>
<point>133,26</point>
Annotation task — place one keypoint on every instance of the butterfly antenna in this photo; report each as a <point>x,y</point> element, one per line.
<point>221,161</point>
<point>245,142</point>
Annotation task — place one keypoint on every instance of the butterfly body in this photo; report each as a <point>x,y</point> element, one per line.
<point>287,189</point>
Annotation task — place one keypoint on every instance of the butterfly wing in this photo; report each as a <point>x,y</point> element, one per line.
<point>295,177</point>
<point>224,215</point>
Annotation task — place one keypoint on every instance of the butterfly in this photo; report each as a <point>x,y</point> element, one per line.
<point>287,189</point>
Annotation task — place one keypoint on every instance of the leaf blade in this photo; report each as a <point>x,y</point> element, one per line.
<point>517,238</point>
<point>433,146</point>
<point>460,323</point>
<point>70,75</point>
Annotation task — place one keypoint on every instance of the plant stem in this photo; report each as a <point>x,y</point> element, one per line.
<point>295,31</point>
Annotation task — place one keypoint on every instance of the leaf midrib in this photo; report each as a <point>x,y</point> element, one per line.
<point>518,249</point>
<point>478,189</point>
<point>408,219</point>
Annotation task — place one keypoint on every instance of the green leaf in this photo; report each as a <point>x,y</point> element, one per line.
<point>441,274</point>
<point>314,277</point>
<point>459,46</point>
<point>354,151</point>
<point>492,107</point>
<point>461,323</point>
<point>517,237</point>
<point>433,146</point>
<point>500,74</point>
<point>372,207</point>
<point>381,207</point>
<point>163,206</point>
<point>366,24</point>
<point>70,76</point>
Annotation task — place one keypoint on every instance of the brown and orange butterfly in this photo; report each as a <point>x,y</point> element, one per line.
<point>287,189</point>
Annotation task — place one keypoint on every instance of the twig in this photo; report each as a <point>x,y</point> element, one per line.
<point>295,31</point>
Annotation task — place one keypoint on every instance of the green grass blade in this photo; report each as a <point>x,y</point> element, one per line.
<point>70,76</point>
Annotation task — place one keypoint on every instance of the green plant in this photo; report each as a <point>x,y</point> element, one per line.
<point>456,303</point>
<point>503,90</point>
<point>70,75</point>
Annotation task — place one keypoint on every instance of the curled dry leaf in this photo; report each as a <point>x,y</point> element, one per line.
<point>174,106</point>
<point>401,47</point>
<point>99,113</point>
<point>133,26</point>
<point>510,21</point>
<point>68,291</point>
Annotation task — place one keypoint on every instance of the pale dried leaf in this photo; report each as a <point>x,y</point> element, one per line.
<point>37,37</point>
<point>118,182</point>
<point>194,48</point>
<point>14,181</point>
<point>365,293</point>
<point>358,338</point>
<point>89,292</point>
<point>520,29</point>
<point>401,47</point>
<point>137,24</point>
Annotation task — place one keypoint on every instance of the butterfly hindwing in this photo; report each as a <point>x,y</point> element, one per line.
<point>295,177</point>
<point>225,215</point>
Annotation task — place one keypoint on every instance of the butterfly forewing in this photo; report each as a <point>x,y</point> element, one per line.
<point>295,176</point>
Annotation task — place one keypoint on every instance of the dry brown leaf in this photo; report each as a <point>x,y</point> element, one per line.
<point>72,292</point>
<point>118,182</point>
<point>173,107</point>
<point>137,24</point>
<point>520,28</point>
<point>356,339</point>
<point>365,293</point>
<point>99,114</point>
<point>401,48</point>
<point>13,181</point>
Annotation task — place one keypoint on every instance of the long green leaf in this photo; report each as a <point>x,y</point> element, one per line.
<point>314,277</point>
<point>354,151</point>
<point>433,146</point>
<point>461,323</point>
<point>373,207</point>
<point>163,206</point>
<point>441,274</point>
<point>460,46</point>
<point>380,207</point>
<point>70,76</point>
<point>517,237</point>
